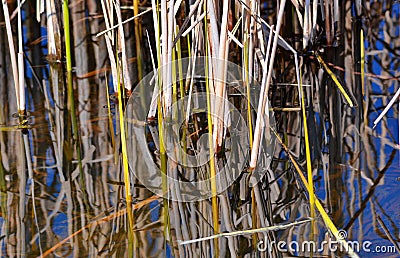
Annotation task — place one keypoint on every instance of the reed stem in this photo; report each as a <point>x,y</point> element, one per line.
<point>71,102</point>
<point>138,42</point>
<point>212,163</point>
<point>308,161</point>
<point>127,180</point>
<point>14,64</point>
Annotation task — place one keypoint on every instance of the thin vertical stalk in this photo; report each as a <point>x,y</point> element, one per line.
<point>162,103</point>
<point>171,29</point>
<point>308,161</point>
<point>122,49</point>
<point>128,194</point>
<point>181,93</point>
<point>164,172</point>
<point>362,50</point>
<point>155,6</point>
<point>220,86</point>
<point>71,102</point>
<point>137,38</point>
<point>214,200</point>
<point>262,98</point>
<point>12,51</point>
<point>259,124</point>
<point>108,39</point>
<point>164,55</point>
<point>247,65</point>
<point>21,68</point>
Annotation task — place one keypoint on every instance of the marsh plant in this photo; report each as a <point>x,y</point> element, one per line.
<point>198,128</point>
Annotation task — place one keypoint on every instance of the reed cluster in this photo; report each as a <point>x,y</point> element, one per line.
<point>73,74</point>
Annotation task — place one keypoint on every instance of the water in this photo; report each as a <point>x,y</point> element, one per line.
<point>58,209</point>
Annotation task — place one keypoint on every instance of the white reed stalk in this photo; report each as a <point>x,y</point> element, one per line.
<point>170,34</point>
<point>21,68</point>
<point>164,48</point>
<point>220,76</point>
<point>12,50</point>
<point>126,21</point>
<point>299,15</point>
<point>176,7</point>
<point>245,232</point>
<point>51,42</point>
<point>307,24</point>
<point>156,29</point>
<point>251,41</point>
<point>122,48</point>
<point>213,32</point>
<point>108,39</point>
<point>314,18</point>
<point>198,20</point>
<point>259,123</point>
<point>232,37</point>
<point>153,105</point>
<point>392,101</point>
<point>39,9</point>
<point>262,107</point>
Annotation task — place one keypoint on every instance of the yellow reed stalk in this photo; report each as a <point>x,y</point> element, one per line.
<point>362,50</point>
<point>9,128</point>
<point>325,217</point>
<point>247,81</point>
<point>125,163</point>
<point>70,89</point>
<point>164,172</point>
<point>214,200</point>
<point>248,84</point>
<point>163,156</point>
<point>182,92</point>
<point>335,80</point>
<point>308,159</point>
<point>294,109</point>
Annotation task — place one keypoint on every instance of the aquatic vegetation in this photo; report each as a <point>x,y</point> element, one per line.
<point>198,128</point>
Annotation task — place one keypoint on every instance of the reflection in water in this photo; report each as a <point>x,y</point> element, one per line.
<point>52,206</point>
